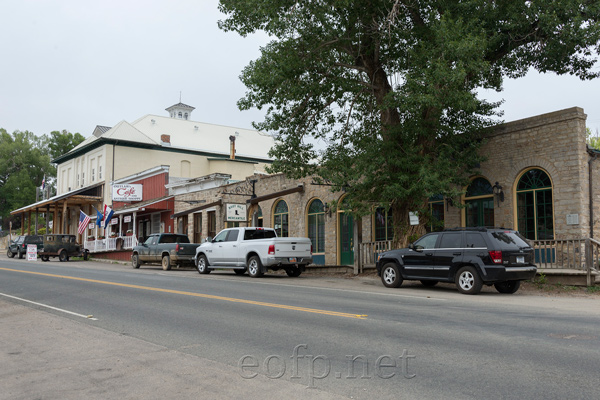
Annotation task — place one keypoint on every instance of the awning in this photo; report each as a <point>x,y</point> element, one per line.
<point>88,195</point>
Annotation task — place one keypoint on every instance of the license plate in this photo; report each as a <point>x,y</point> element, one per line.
<point>520,259</point>
<point>292,259</point>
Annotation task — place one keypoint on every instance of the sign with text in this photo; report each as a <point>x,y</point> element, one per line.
<point>236,212</point>
<point>127,192</point>
<point>127,218</point>
<point>31,252</point>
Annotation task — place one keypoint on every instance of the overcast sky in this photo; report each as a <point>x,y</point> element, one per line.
<point>72,65</point>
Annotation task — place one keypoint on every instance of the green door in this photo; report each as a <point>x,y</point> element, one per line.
<point>346,239</point>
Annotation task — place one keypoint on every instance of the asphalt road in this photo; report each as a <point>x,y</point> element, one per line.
<point>330,335</point>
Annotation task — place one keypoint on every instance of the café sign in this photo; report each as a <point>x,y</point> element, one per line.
<point>127,192</point>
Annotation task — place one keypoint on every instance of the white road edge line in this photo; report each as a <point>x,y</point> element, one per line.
<point>90,317</point>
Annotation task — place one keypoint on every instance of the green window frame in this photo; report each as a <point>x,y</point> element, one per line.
<point>535,217</point>
<point>281,219</point>
<point>383,224</point>
<point>316,226</point>
<point>436,209</point>
<point>479,203</point>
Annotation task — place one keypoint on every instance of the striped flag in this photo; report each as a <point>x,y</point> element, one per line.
<point>84,220</point>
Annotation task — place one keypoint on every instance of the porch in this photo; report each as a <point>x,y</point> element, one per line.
<point>110,244</point>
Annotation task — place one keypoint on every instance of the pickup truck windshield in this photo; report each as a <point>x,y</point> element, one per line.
<point>259,234</point>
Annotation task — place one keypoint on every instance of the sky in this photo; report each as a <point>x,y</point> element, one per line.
<point>72,64</point>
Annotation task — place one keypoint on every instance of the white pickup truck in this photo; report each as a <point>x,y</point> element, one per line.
<point>254,250</point>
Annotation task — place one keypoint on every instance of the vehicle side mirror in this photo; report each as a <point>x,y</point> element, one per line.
<point>208,240</point>
<point>414,247</point>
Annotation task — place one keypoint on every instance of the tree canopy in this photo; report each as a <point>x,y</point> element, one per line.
<point>389,88</point>
<point>25,159</point>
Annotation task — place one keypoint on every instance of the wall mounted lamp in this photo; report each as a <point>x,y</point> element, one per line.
<point>497,189</point>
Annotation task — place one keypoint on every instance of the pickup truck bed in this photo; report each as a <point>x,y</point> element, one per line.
<point>167,249</point>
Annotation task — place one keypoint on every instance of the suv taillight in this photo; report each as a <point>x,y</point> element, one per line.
<point>496,256</point>
<point>272,249</point>
<point>177,248</point>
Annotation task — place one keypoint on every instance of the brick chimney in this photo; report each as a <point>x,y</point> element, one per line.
<point>165,139</point>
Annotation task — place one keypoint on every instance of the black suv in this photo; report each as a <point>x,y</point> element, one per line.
<point>469,257</point>
<point>19,245</point>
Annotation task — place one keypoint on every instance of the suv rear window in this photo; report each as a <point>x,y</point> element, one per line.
<point>475,240</point>
<point>503,238</point>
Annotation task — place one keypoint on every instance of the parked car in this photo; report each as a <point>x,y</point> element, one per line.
<point>62,246</point>
<point>254,250</point>
<point>19,245</point>
<point>167,249</point>
<point>469,257</point>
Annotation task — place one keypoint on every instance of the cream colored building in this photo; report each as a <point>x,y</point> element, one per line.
<point>189,148</point>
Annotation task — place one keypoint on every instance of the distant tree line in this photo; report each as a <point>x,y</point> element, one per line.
<point>25,160</point>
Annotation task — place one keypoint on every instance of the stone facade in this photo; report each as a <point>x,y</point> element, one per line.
<point>554,143</point>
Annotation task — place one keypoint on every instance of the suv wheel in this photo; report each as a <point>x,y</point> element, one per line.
<point>508,287</point>
<point>468,281</point>
<point>20,254</point>
<point>390,275</point>
<point>10,254</point>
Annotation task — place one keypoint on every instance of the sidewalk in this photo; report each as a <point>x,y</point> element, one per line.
<point>44,356</point>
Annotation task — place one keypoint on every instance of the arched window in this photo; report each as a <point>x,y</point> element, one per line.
<point>384,228</point>
<point>316,225</point>
<point>534,205</point>
<point>479,203</point>
<point>281,219</point>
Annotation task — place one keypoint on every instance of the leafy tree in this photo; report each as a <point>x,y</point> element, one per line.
<point>62,142</point>
<point>24,162</point>
<point>593,139</point>
<point>391,87</point>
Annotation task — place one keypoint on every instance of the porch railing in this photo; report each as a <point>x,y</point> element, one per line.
<point>110,244</point>
<point>368,253</point>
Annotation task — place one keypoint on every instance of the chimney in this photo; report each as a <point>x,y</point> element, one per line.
<point>165,140</point>
<point>232,148</point>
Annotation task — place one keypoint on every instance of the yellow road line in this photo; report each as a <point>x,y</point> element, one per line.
<point>205,296</point>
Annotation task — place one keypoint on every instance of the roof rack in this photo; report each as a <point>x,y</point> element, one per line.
<point>475,228</point>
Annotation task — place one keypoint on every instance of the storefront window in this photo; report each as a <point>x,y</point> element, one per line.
<point>281,219</point>
<point>534,205</point>
<point>384,227</point>
<point>316,225</point>
<point>479,203</point>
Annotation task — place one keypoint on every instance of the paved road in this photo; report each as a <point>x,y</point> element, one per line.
<point>178,334</point>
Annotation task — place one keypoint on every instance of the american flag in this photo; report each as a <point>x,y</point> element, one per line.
<point>84,220</point>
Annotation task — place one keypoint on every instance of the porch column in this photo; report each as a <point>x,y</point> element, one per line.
<point>29,222</point>
<point>64,218</point>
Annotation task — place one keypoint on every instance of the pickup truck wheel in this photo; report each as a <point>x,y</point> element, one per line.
<point>390,275</point>
<point>239,271</point>
<point>254,267</point>
<point>294,272</point>
<point>135,261</point>
<point>45,258</point>
<point>62,256</point>
<point>10,254</point>
<point>20,254</point>
<point>166,262</point>
<point>468,281</point>
<point>202,265</point>
<point>508,287</point>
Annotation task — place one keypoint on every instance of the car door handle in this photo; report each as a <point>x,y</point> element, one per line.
<point>457,254</point>
<point>429,254</point>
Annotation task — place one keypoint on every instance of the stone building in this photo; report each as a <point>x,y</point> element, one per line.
<point>537,178</point>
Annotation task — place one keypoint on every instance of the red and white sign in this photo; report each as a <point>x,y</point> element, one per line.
<point>127,192</point>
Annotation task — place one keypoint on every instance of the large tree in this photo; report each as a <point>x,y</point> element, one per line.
<point>25,161</point>
<point>390,88</point>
